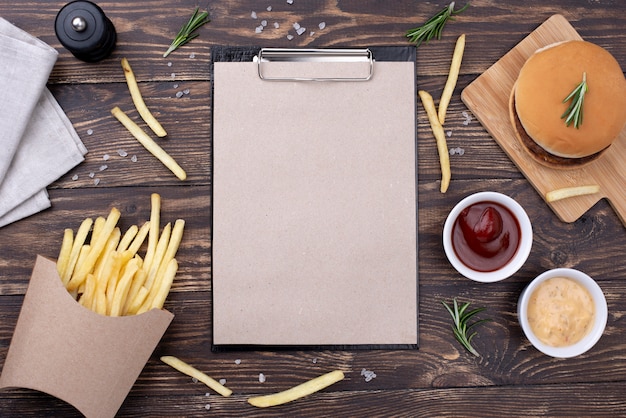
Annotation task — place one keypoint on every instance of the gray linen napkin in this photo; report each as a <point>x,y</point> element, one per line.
<point>38,142</point>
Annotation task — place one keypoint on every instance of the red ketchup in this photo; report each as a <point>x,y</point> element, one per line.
<point>485,236</point>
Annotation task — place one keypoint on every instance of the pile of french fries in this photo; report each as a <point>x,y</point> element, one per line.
<point>102,270</point>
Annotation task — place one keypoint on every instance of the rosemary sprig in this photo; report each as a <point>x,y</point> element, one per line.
<point>461,328</point>
<point>574,112</point>
<point>186,33</point>
<point>434,26</point>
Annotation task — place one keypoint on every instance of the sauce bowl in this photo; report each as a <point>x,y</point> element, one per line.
<point>597,327</point>
<point>517,259</point>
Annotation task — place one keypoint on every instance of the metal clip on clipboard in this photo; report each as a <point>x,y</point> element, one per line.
<point>318,64</point>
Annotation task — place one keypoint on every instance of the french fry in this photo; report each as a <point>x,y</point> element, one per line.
<point>64,253</point>
<point>123,286</point>
<point>140,105</point>
<point>135,296</point>
<point>137,301</point>
<point>128,238</point>
<point>97,227</point>
<point>94,252</point>
<point>453,75</point>
<point>296,392</point>
<point>159,252</point>
<point>440,137</point>
<point>140,237</point>
<point>191,371</point>
<point>79,241</point>
<point>160,288</point>
<point>148,143</point>
<point>153,233</point>
<point>567,192</point>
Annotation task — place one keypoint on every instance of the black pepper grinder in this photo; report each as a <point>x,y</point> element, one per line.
<point>83,28</point>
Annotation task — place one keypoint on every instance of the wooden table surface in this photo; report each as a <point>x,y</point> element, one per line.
<point>440,379</point>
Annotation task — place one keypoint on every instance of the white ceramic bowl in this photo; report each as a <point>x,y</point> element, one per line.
<point>600,318</point>
<point>519,258</point>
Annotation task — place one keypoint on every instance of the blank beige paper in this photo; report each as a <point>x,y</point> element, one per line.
<point>314,209</point>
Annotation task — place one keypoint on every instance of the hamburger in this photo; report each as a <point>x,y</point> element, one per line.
<point>539,110</point>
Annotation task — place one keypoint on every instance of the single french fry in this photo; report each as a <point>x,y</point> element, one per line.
<point>64,253</point>
<point>122,288</point>
<point>297,392</point>
<point>140,105</point>
<point>96,249</point>
<point>149,143</point>
<point>453,75</point>
<point>79,241</point>
<point>191,371</point>
<point>137,301</point>
<point>140,237</point>
<point>155,225</point>
<point>101,301</point>
<point>133,293</point>
<point>159,253</point>
<point>567,192</point>
<point>128,238</point>
<point>111,244</point>
<point>440,137</point>
<point>165,284</point>
<point>97,227</point>
<point>90,289</point>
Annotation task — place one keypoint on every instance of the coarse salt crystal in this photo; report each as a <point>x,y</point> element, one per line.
<point>276,25</point>
<point>92,175</point>
<point>253,15</point>
<point>192,55</point>
<point>75,177</point>
<point>449,133</point>
<point>89,131</point>
<point>312,33</point>
<point>173,75</point>
<point>238,361</point>
<point>103,167</point>
<point>122,153</point>
<point>460,151</point>
<point>179,94</point>
<point>289,37</point>
<point>314,360</point>
<point>264,23</point>
<point>222,381</point>
<point>289,1</point>
<point>194,380</point>
<point>207,394</point>
<point>133,158</point>
<point>169,64</point>
<point>296,26</point>
<point>269,8</point>
<point>186,91</point>
<point>175,86</point>
<point>368,374</point>
<point>300,31</point>
<point>106,157</point>
<point>452,151</point>
<point>96,181</point>
<point>207,406</point>
<point>261,378</point>
<point>322,25</point>
<point>258,29</point>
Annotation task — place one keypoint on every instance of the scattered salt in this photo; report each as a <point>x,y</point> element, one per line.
<point>258,29</point>
<point>175,86</point>
<point>179,94</point>
<point>312,33</point>
<point>222,381</point>
<point>449,133</point>
<point>106,157</point>
<point>289,1</point>
<point>122,153</point>
<point>75,177</point>
<point>103,167</point>
<point>261,378</point>
<point>133,158</point>
<point>322,25</point>
<point>276,25</point>
<point>269,8</point>
<point>207,394</point>
<point>460,151</point>
<point>186,91</point>
<point>253,15</point>
<point>368,374</point>
<point>238,361</point>
<point>296,26</point>
<point>89,131</point>
<point>96,181</point>
<point>314,360</point>
<point>207,406</point>
<point>289,37</point>
<point>264,23</point>
<point>194,380</point>
<point>173,75</point>
<point>92,175</point>
<point>192,55</point>
<point>300,31</point>
<point>169,64</point>
<point>467,117</point>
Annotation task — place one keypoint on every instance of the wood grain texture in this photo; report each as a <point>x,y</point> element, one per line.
<point>440,379</point>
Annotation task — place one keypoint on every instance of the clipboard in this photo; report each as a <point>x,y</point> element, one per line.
<point>314,198</point>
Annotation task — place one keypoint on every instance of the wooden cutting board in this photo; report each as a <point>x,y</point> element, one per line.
<point>488,98</point>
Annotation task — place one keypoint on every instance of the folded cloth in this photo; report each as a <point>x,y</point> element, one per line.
<point>38,140</point>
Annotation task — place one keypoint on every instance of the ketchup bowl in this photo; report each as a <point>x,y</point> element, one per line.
<point>487,237</point>
<point>562,312</point>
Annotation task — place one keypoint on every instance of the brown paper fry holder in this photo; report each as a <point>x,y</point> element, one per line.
<point>85,359</point>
